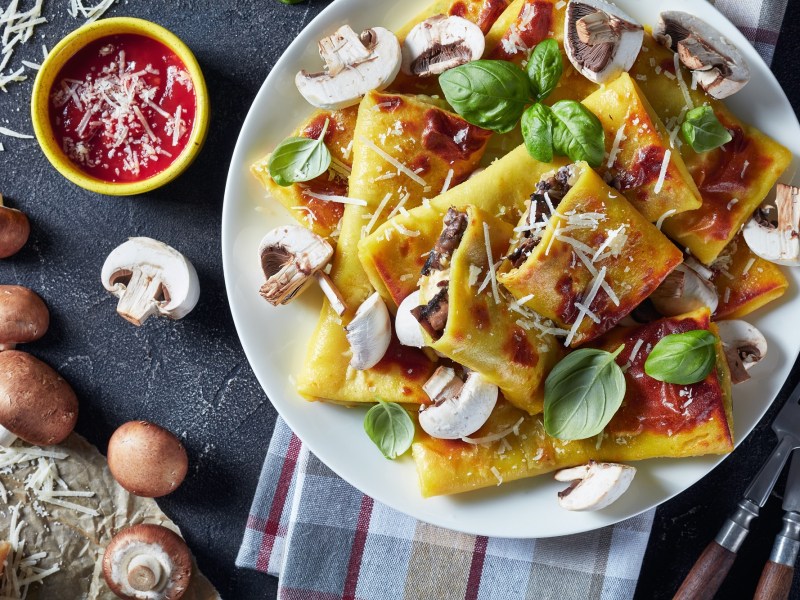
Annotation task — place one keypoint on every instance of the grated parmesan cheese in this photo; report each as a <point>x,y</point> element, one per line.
<point>339,199</point>
<point>447,181</point>
<point>727,296</point>
<point>618,139</point>
<point>404,230</point>
<point>492,273</point>
<point>8,132</point>
<point>732,203</point>
<point>496,473</point>
<point>394,162</point>
<point>494,437</point>
<point>474,272</point>
<point>594,288</point>
<point>662,175</point>
<point>664,217</point>
<point>748,266</point>
<point>376,214</point>
<point>679,75</point>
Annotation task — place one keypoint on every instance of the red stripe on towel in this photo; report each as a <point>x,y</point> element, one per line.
<point>476,568</point>
<point>357,552</point>
<point>278,502</point>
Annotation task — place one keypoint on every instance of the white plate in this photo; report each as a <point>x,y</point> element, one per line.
<point>274,339</point>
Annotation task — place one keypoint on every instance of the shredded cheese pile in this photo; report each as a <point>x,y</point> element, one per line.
<point>19,26</point>
<point>114,102</point>
<point>43,485</point>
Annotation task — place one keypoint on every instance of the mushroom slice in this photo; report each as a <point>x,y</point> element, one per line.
<point>718,66</point>
<point>684,290</point>
<point>354,65</point>
<point>369,333</point>
<point>457,410</point>
<point>594,486</point>
<point>147,562</point>
<point>291,258</point>
<point>441,43</point>
<point>744,346</point>
<point>406,326</point>
<point>150,278</point>
<point>23,316</point>
<point>601,40</point>
<point>14,230</point>
<point>777,242</point>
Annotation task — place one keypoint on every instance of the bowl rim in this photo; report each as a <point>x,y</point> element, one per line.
<point>63,52</point>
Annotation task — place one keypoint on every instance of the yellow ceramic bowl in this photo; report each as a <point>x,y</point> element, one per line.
<point>65,50</point>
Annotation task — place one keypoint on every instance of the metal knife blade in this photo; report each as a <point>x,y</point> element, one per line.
<point>791,496</point>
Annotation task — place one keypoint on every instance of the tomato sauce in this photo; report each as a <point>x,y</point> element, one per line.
<point>123,108</point>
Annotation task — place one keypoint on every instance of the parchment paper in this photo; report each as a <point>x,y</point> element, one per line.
<point>64,534</point>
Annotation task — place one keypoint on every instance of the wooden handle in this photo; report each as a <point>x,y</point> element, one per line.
<point>775,582</point>
<point>707,574</point>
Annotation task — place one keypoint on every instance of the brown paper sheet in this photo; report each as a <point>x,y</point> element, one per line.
<point>76,541</point>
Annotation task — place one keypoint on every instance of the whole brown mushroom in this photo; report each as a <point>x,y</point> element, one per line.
<point>14,230</point>
<point>147,460</point>
<point>36,404</point>
<point>23,316</point>
<point>147,562</point>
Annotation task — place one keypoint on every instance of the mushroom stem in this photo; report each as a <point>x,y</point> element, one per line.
<point>6,437</point>
<point>145,573</point>
<point>331,292</point>
<point>136,303</point>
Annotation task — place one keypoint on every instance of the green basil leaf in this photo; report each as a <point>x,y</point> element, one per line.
<point>545,67</point>
<point>578,133</point>
<point>390,428</point>
<point>291,1</point>
<point>488,93</point>
<point>582,394</point>
<point>702,130</point>
<point>537,131</point>
<point>683,358</point>
<point>299,159</point>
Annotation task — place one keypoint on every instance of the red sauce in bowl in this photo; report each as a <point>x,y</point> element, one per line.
<point>123,108</point>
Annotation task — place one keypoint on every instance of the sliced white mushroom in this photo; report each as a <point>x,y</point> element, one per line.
<point>684,290</point>
<point>718,66</point>
<point>595,485</point>
<point>777,242</point>
<point>744,346</point>
<point>150,278</point>
<point>458,410</point>
<point>406,326</point>
<point>441,43</point>
<point>601,40</point>
<point>292,257</point>
<point>443,383</point>
<point>354,65</point>
<point>369,333</point>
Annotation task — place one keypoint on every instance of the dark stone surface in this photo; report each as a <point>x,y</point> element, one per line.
<point>191,376</point>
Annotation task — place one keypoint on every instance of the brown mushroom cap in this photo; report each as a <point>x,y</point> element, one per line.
<point>160,543</point>
<point>14,230</point>
<point>36,404</point>
<point>147,460</point>
<point>23,316</point>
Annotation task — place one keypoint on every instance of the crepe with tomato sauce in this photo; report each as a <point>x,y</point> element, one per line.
<point>655,420</point>
<point>393,264</point>
<point>585,258</point>
<point>470,320</point>
<point>403,150</point>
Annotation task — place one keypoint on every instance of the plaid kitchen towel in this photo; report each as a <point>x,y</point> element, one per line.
<point>328,541</point>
